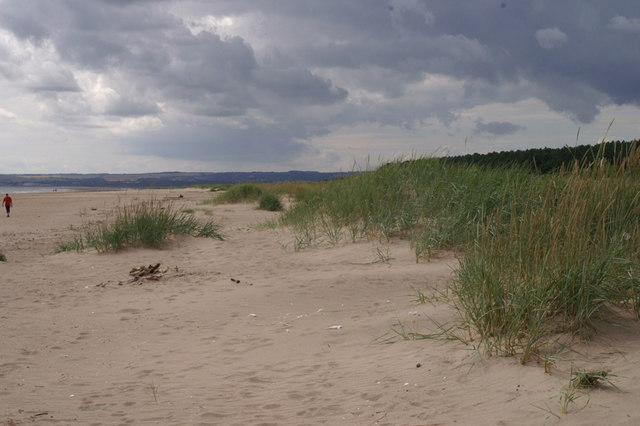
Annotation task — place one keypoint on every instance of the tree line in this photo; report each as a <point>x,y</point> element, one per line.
<point>549,160</point>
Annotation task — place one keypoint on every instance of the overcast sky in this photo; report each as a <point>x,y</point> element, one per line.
<point>274,85</point>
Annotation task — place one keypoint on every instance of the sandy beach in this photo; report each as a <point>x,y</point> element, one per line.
<point>249,331</point>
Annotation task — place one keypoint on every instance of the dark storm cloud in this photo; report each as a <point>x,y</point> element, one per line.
<point>496,128</point>
<point>288,70</point>
<point>299,85</point>
<point>24,27</point>
<point>548,43</point>
<point>542,42</point>
<point>143,51</point>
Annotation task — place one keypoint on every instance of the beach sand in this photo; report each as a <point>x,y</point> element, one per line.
<point>249,331</point>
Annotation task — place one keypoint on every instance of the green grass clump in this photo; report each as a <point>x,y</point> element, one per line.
<point>270,203</point>
<point>253,192</point>
<point>428,201</point>
<point>3,258</point>
<point>75,244</point>
<point>147,224</point>
<point>590,378</point>
<point>240,193</point>
<point>556,262</point>
<point>540,254</point>
<point>580,382</point>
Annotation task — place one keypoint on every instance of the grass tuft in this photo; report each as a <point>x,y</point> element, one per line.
<point>591,378</point>
<point>269,196</point>
<point>270,203</point>
<point>239,193</point>
<point>146,224</point>
<point>579,382</point>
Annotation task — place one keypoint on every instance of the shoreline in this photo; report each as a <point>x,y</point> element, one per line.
<point>47,189</point>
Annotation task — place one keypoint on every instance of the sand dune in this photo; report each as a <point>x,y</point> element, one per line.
<point>248,331</point>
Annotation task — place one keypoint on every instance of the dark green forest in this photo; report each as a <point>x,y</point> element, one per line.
<point>549,160</point>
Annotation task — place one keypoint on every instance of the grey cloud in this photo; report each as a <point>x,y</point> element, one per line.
<point>221,105</point>
<point>254,142</point>
<point>199,70</point>
<point>410,16</point>
<point>571,96</point>
<point>624,24</point>
<point>295,69</point>
<point>407,61</point>
<point>496,128</point>
<point>51,78</point>
<point>23,26</point>
<point>299,85</point>
<point>90,51</point>
<point>551,38</point>
<point>502,49</point>
<point>129,2</point>
<point>132,108</point>
<point>164,57</point>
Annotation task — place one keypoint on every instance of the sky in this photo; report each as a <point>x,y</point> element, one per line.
<point>134,86</point>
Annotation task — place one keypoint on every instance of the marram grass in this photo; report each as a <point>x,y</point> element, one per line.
<point>252,192</point>
<point>556,263</point>
<point>146,224</point>
<point>245,192</point>
<point>540,254</point>
<point>431,203</point>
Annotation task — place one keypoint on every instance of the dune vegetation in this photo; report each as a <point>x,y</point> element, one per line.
<point>540,254</point>
<point>268,195</point>
<point>144,224</point>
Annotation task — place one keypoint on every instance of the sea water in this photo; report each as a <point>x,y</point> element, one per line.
<point>29,188</point>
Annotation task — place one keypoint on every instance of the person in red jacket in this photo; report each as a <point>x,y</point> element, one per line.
<point>7,202</point>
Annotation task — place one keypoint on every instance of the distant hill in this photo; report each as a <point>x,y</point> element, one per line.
<point>163,180</point>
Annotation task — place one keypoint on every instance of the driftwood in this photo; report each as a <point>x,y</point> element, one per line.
<point>151,272</point>
<point>140,274</point>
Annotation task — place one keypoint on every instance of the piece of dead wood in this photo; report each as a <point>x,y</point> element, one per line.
<point>145,273</point>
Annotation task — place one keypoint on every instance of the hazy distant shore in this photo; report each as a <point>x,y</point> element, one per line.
<point>43,189</point>
<point>108,181</point>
